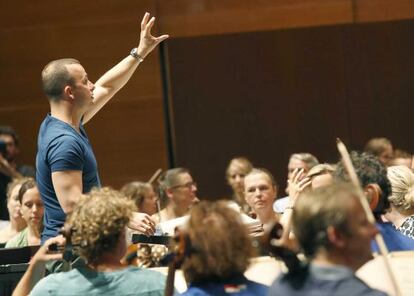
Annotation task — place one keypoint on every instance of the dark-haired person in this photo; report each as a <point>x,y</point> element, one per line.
<point>65,162</point>
<point>372,175</point>
<point>335,236</point>
<point>219,253</point>
<point>9,168</point>
<point>31,208</point>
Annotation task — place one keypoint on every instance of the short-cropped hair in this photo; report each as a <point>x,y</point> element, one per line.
<point>55,76</point>
<point>318,209</point>
<point>220,243</point>
<point>97,222</point>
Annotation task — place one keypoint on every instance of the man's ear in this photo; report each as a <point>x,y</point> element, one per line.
<point>335,237</point>
<point>373,193</point>
<point>169,192</point>
<point>68,92</point>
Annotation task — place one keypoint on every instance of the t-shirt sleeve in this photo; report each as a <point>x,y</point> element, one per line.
<point>65,154</point>
<point>41,288</point>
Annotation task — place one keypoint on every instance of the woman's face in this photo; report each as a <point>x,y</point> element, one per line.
<point>13,204</point>
<point>235,177</point>
<point>32,207</point>
<point>183,194</point>
<point>259,191</point>
<point>149,203</point>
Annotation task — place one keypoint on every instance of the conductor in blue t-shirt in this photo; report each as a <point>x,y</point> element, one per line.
<point>65,163</point>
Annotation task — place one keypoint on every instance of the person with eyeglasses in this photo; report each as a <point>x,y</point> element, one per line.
<point>178,192</point>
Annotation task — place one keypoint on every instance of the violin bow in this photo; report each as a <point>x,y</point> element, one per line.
<point>154,178</point>
<point>346,159</point>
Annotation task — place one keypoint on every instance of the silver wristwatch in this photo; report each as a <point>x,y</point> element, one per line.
<point>134,54</point>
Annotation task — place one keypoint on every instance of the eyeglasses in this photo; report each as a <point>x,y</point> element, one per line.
<point>188,185</point>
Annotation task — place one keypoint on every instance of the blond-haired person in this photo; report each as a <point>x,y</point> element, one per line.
<point>236,171</point>
<point>261,191</point>
<point>401,199</point>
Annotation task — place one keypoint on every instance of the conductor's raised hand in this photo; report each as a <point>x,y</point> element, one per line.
<point>148,42</point>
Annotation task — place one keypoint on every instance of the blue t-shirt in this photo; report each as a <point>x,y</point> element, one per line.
<point>394,240</point>
<point>238,285</point>
<point>61,148</point>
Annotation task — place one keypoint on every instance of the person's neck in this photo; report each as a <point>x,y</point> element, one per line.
<point>67,114</point>
<point>397,218</point>
<point>266,216</point>
<point>33,235</point>
<point>175,211</point>
<point>106,263</point>
<point>324,258</point>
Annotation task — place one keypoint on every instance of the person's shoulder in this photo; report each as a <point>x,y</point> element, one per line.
<point>18,241</point>
<point>147,280</point>
<point>143,272</point>
<point>260,288</point>
<point>194,291</point>
<point>48,284</point>
<point>355,286</point>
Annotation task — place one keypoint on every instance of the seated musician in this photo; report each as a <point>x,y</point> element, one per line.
<point>17,223</point>
<point>219,249</point>
<point>335,235</point>
<point>261,191</point>
<point>237,169</point>
<point>31,209</point>
<point>372,175</point>
<point>178,191</point>
<point>143,195</point>
<point>98,223</point>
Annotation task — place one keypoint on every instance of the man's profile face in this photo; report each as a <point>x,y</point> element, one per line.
<point>357,247</point>
<point>11,147</point>
<point>82,88</point>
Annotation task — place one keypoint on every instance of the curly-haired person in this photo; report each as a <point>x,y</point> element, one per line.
<point>99,222</point>
<point>372,175</point>
<point>219,253</point>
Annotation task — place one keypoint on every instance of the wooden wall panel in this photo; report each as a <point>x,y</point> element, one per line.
<point>268,95</point>
<point>379,72</point>
<point>209,17</point>
<point>383,10</point>
<point>128,135</point>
